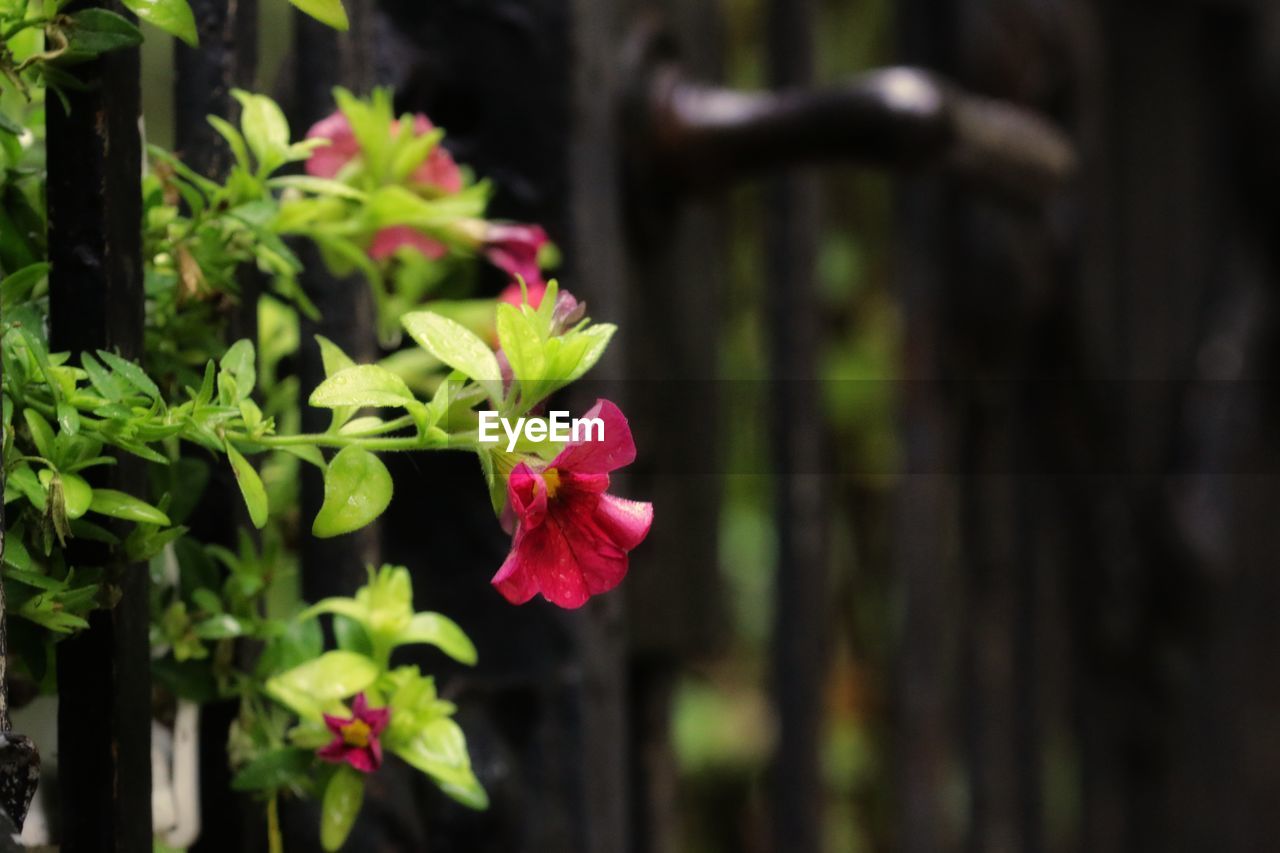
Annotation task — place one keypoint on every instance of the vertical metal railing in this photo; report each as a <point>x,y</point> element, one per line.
<point>796,438</point>
<point>96,302</point>
<point>203,81</point>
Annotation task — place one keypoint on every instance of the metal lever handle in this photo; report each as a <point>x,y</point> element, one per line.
<point>697,136</point>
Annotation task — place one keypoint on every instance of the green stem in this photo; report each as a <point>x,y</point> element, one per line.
<point>309,440</point>
<point>23,25</point>
<point>275,841</point>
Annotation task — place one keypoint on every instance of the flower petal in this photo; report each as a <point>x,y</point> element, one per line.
<point>600,457</point>
<point>328,161</point>
<point>527,496</point>
<point>514,580</point>
<point>515,248</point>
<point>376,719</point>
<point>546,555</point>
<point>335,752</point>
<point>440,171</point>
<point>624,523</point>
<point>363,760</point>
<point>389,240</point>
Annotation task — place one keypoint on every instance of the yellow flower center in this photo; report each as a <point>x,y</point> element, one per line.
<point>551,477</point>
<point>356,733</point>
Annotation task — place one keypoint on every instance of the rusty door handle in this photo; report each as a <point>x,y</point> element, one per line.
<point>687,136</point>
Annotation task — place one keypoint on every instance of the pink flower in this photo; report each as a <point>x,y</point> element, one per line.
<point>328,161</point>
<point>355,738</point>
<point>514,248</point>
<point>572,538</point>
<point>512,295</point>
<point>438,171</point>
<point>388,240</point>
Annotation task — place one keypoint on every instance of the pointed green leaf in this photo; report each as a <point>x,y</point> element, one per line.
<point>457,347</point>
<point>441,632</point>
<point>255,494</point>
<point>241,362</point>
<point>328,12</point>
<point>124,506</point>
<point>265,129</point>
<point>131,373</point>
<point>94,31</point>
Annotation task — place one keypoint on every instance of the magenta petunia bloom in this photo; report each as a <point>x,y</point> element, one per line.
<point>514,248</point>
<point>328,161</point>
<point>355,738</point>
<point>388,240</point>
<point>572,538</point>
<point>438,171</point>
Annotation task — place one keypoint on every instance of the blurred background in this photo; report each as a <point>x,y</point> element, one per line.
<point>961,442</point>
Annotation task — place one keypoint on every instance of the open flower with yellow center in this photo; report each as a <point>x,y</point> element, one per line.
<point>356,738</point>
<point>572,537</point>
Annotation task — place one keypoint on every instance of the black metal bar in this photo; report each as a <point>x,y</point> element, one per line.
<point>796,437</point>
<point>203,81</point>
<point>324,59</point>
<point>96,301</point>
<point>900,118</point>
<point>204,77</point>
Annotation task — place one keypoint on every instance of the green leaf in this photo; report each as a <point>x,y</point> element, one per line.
<point>17,286</point>
<point>265,129</point>
<point>172,16</point>
<point>343,797</point>
<point>348,607</point>
<point>441,632</point>
<point>332,356</point>
<point>240,361</point>
<point>95,31</point>
<point>131,373</point>
<point>120,505</point>
<point>524,351</point>
<point>255,494</point>
<point>362,385</point>
<point>234,140</point>
<point>457,347</point>
<point>68,419</point>
<point>273,770</point>
<point>318,186</point>
<point>315,685</point>
<point>594,341</point>
<point>439,749</point>
<point>220,627</point>
<point>41,432</point>
<point>357,488</point>
<point>325,11</point>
